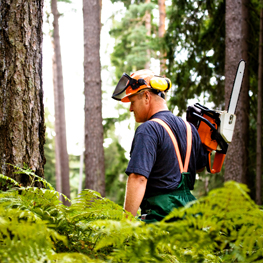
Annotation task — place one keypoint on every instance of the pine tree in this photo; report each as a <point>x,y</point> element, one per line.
<point>22,130</point>
<point>161,32</point>
<point>62,161</point>
<point>94,154</point>
<point>237,48</point>
<point>259,113</point>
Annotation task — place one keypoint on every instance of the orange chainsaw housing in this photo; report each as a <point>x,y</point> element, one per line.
<point>205,133</point>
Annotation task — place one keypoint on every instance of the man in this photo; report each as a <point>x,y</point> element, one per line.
<point>156,182</point>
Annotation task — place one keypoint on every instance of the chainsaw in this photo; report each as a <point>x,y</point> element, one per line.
<point>216,127</point>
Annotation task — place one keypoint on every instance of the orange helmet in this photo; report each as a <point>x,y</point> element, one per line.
<point>142,79</point>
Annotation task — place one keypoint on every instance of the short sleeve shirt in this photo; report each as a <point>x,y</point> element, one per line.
<point>153,154</point>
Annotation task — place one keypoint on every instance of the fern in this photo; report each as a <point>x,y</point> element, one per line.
<point>73,258</point>
<point>34,178</point>
<point>41,209</point>
<point>225,226</point>
<point>93,207</point>
<point>18,234</point>
<point>8,179</point>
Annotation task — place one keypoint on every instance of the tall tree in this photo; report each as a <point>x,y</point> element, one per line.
<point>161,32</point>
<point>22,129</point>
<point>148,34</point>
<point>259,113</point>
<point>62,161</point>
<point>236,42</point>
<point>94,153</point>
<point>57,155</point>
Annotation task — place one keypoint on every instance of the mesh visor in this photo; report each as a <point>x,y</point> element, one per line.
<point>122,85</point>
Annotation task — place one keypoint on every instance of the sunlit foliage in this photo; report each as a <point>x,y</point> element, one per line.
<point>225,226</point>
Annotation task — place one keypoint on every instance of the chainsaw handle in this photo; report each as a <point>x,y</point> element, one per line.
<point>205,121</point>
<point>218,162</point>
<point>215,134</point>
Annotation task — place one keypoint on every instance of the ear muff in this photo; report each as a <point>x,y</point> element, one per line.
<point>160,83</point>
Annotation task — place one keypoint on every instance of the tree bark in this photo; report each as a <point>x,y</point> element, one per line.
<point>148,33</point>
<point>94,152</point>
<point>22,128</point>
<point>161,32</point>
<point>259,115</point>
<point>62,160</point>
<point>236,49</point>
<point>57,156</point>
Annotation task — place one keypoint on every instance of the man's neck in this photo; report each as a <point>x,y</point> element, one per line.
<point>157,108</point>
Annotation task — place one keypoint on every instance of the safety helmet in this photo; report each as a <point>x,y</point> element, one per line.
<point>139,80</point>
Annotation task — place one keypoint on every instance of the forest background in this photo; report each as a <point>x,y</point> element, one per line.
<point>118,142</point>
<point>202,59</point>
<point>202,43</point>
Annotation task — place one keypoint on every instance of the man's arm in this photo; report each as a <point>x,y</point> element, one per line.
<point>135,189</point>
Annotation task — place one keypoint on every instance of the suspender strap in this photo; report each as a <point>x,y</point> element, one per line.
<point>189,144</point>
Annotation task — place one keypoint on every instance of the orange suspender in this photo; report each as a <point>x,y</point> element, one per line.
<point>189,144</point>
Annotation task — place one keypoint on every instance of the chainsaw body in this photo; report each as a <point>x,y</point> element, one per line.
<point>215,129</point>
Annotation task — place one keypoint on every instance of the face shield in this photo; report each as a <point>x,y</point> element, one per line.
<point>127,86</point>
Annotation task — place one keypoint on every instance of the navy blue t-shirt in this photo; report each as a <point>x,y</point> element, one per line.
<point>153,154</point>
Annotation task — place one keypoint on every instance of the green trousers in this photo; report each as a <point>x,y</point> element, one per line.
<point>156,207</point>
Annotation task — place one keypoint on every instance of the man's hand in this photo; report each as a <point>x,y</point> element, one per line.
<point>135,189</point>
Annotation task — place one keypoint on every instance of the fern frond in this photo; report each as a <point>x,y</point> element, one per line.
<point>74,258</point>
<point>9,179</point>
<point>32,175</point>
<point>90,205</point>
<point>27,237</point>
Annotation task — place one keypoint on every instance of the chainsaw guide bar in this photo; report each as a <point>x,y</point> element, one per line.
<point>236,88</point>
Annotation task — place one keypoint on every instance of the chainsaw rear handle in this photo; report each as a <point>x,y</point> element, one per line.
<point>198,110</point>
<point>206,121</point>
<point>215,134</point>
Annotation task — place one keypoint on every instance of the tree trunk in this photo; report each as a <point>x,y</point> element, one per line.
<point>94,153</point>
<point>161,32</point>
<point>236,49</point>
<point>22,128</point>
<point>57,156</point>
<point>259,116</point>
<point>62,160</point>
<point>148,33</point>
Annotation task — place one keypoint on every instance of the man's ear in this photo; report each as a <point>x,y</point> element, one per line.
<point>147,95</point>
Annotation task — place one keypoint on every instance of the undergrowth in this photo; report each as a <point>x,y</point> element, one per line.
<point>225,226</point>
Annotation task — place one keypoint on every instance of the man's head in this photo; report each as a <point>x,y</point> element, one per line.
<point>145,103</point>
<point>145,91</point>
<point>139,80</point>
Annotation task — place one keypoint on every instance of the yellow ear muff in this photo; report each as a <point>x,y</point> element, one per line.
<point>159,83</point>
